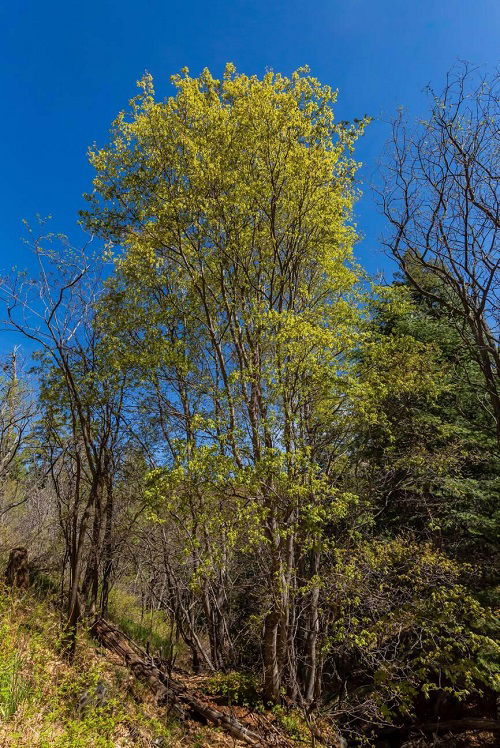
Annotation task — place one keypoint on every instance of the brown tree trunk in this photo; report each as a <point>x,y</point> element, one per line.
<point>272,680</point>
<point>75,603</point>
<point>107,550</point>
<point>312,635</point>
<point>90,586</point>
<point>16,573</point>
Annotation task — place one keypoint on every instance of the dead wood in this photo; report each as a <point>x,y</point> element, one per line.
<point>466,724</point>
<point>479,724</point>
<point>165,689</point>
<point>17,573</point>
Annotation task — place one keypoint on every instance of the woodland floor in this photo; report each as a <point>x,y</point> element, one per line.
<point>46,702</point>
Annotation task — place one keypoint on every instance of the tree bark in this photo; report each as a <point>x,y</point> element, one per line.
<point>16,573</point>
<point>272,683</point>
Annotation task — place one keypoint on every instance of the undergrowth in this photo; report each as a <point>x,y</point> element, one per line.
<point>150,628</point>
<point>46,702</point>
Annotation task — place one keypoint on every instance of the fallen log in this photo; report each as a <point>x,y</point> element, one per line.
<point>479,724</point>
<point>165,689</point>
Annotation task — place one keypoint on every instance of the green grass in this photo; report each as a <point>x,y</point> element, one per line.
<point>14,686</point>
<point>46,702</point>
<point>151,628</point>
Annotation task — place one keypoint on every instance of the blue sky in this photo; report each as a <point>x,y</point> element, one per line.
<point>68,67</point>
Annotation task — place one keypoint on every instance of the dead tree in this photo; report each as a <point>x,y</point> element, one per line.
<point>441,199</point>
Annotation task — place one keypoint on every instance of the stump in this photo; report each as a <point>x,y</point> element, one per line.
<point>17,573</point>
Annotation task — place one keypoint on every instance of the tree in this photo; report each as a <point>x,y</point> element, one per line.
<point>17,411</point>
<point>441,200</point>
<point>232,202</point>
<point>81,406</point>
<point>273,468</point>
<point>428,450</point>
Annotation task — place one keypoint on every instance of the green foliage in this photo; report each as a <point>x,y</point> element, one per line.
<point>406,620</point>
<point>196,296</point>
<point>235,688</point>
<point>294,724</point>
<point>148,628</point>
<point>427,440</point>
<point>14,686</point>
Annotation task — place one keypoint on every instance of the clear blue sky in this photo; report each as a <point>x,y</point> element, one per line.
<point>68,67</point>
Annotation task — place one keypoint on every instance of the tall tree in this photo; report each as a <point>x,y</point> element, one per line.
<point>430,451</point>
<point>81,404</point>
<point>232,202</point>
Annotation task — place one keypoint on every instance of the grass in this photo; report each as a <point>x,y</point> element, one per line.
<point>150,628</point>
<point>14,687</point>
<point>46,702</point>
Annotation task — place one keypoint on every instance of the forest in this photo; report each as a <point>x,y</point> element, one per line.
<point>248,492</point>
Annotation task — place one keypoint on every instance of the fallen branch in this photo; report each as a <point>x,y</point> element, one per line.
<point>165,689</point>
<point>478,724</point>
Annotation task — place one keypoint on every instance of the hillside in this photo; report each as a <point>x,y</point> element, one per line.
<point>94,701</point>
<point>97,701</point>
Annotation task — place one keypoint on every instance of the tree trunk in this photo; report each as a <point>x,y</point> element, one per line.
<point>272,680</point>
<point>107,550</point>
<point>90,587</point>
<point>312,635</point>
<point>75,607</point>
